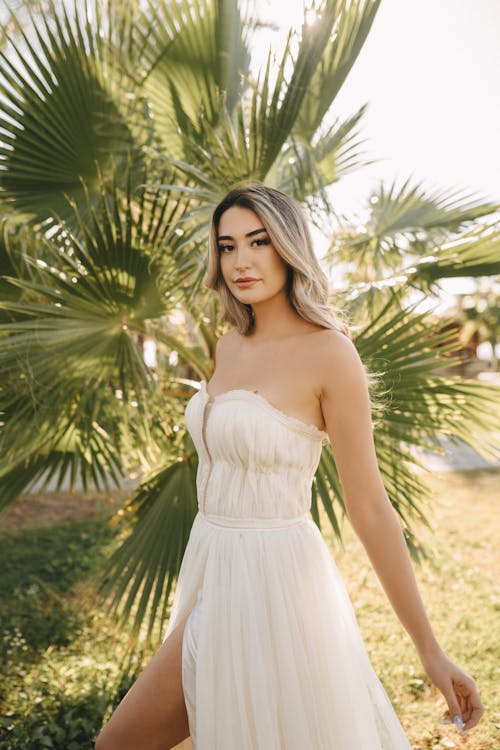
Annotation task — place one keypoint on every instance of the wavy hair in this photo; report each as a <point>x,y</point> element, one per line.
<point>307,284</point>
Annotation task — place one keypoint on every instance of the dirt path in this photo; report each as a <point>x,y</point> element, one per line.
<point>31,511</point>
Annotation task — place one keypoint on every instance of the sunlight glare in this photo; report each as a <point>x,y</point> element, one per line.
<point>310,16</point>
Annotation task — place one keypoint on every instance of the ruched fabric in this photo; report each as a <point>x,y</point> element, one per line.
<point>272,655</point>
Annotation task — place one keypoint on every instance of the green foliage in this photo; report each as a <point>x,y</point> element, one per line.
<point>414,237</point>
<point>167,500</point>
<point>39,572</point>
<point>57,679</point>
<point>63,118</point>
<point>123,124</point>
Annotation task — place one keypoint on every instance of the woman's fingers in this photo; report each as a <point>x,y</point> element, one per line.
<point>469,700</point>
<point>464,705</point>
<point>459,690</point>
<point>477,710</point>
<point>454,707</point>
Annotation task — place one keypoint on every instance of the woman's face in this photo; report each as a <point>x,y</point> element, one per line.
<point>245,250</point>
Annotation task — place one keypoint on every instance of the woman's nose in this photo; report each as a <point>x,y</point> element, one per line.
<point>241,259</point>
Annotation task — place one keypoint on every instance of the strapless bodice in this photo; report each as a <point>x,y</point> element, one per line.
<point>255,461</point>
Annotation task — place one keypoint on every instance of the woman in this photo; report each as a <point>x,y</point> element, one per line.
<point>263,650</point>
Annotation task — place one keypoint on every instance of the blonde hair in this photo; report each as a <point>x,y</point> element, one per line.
<point>307,284</point>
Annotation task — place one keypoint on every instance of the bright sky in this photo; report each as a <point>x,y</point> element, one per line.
<point>429,71</point>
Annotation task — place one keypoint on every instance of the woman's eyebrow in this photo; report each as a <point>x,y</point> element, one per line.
<point>248,234</point>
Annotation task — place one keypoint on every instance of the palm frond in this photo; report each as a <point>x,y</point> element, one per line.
<point>352,23</point>
<point>88,295</point>
<point>411,349</point>
<point>139,576</point>
<point>305,168</point>
<point>73,331</point>
<point>76,438</point>
<point>190,53</point>
<point>474,252</point>
<point>407,224</point>
<point>413,208</point>
<point>415,408</point>
<point>61,120</point>
<point>245,146</point>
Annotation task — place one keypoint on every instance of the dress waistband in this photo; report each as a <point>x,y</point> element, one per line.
<point>233,522</point>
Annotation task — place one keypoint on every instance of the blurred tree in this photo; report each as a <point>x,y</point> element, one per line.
<point>480,311</point>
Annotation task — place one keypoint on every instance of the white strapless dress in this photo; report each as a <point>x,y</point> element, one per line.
<point>272,654</point>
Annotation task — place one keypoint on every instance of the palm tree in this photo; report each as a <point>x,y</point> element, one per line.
<point>123,124</point>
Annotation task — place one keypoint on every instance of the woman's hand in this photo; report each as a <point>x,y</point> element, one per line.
<point>458,688</point>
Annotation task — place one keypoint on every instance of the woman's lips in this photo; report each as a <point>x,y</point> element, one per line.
<point>245,284</point>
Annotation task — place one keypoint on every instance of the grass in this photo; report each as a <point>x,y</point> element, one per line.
<point>61,656</point>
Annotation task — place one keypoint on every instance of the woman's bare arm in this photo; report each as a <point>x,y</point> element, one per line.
<point>347,412</point>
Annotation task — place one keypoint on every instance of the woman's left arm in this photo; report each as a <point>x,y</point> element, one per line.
<point>346,407</point>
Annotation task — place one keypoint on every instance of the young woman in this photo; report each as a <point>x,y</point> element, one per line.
<point>263,650</point>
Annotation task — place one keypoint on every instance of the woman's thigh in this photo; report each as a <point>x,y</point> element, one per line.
<point>152,715</point>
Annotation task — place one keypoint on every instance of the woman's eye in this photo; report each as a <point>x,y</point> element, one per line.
<point>259,242</point>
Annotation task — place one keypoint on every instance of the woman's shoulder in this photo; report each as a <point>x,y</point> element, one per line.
<point>317,341</point>
<point>334,355</point>
<point>331,342</point>
<point>227,343</point>
<point>227,338</point>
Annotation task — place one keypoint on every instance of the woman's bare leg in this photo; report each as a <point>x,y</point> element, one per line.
<point>152,715</point>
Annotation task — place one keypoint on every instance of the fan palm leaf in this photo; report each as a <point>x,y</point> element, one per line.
<point>474,252</point>
<point>352,23</point>
<point>408,221</point>
<point>81,441</point>
<point>245,145</point>
<point>418,407</point>
<point>305,168</point>
<point>190,52</point>
<point>72,332</point>
<point>139,576</point>
<point>61,120</point>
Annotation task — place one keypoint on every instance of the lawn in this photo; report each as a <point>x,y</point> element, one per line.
<point>63,660</point>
